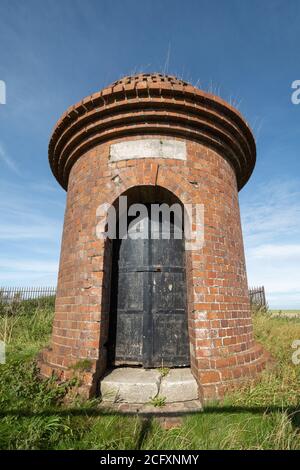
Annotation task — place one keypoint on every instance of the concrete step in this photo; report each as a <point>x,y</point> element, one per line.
<point>139,386</point>
<point>146,409</point>
<point>179,385</point>
<point>130,385</point>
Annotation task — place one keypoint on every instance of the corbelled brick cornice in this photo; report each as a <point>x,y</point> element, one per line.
<point>152,104</point>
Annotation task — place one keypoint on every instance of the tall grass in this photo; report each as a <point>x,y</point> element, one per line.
<point>25,326</point>
<point>33,415</point>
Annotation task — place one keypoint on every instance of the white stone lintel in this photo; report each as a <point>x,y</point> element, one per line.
<point>148,148</point>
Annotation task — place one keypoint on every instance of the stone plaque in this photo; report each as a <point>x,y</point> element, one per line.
<point>148,148</point>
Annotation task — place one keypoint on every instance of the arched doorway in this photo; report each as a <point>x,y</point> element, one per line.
<point>148,308</point>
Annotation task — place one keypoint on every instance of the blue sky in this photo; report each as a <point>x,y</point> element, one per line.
<point>53,53</point>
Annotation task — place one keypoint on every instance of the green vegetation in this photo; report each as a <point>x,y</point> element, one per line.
<point>158,401</point>
<point>25,326</point>
<point>83,365</point>
<point>163,371</point>
<point>34,414</point>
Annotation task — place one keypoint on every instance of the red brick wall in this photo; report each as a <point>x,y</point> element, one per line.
<point>223,351</point>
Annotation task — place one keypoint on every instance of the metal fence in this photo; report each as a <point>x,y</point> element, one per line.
<point>15,294</point>
<point>258,296</point>
<point>9,294</point>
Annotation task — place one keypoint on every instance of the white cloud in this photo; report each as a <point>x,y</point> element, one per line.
<point>273,211</point>
<point>271,222</point>
<point>8,161</point>
<point>30,233</point>
<point>290,299</point>
<point>30,265</point>
<point>23,214</point>
<point>28,279</point>
<point>276,251</point>
<point>36,228</point>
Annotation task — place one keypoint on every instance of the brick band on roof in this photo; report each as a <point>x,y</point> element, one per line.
<point>152,104</point>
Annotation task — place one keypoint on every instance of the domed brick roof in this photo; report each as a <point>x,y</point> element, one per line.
<point>150,77</point>
<point>152,103</point>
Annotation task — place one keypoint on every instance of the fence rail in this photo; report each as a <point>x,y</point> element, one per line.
<point>258,296</point>
<point>15,294</point>
<point>8,294</point>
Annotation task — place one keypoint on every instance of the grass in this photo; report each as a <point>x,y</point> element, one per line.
<point>25,326</point>
<point>33,414</point>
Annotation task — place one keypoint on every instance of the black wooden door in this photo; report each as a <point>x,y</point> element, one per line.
<point>148,302</point>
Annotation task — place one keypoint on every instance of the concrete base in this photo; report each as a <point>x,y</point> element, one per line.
<point>142,386</point>
<point>179,385</point>
<point>146,409</point>
<point>130,385</point>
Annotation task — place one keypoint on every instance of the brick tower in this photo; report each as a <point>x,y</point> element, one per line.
<point>154,137</point>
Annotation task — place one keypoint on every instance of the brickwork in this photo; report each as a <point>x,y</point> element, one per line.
<point>220,159</point>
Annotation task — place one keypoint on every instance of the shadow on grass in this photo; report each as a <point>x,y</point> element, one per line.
<point>146,430</point>
<point>94,412</point>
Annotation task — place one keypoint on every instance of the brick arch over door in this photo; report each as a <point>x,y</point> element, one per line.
<point>148,173</point>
